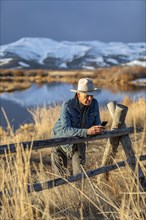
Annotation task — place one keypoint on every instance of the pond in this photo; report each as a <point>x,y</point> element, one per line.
<point>15,104</point>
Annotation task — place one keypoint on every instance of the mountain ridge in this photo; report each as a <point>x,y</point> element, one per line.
<point>45,53</point>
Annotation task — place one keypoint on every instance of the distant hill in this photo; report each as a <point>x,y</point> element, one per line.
<point>44,53</point>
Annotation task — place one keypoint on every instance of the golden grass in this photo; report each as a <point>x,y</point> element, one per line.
<point>136,115</point>
<point>44,119</point>
<point>119,77</point>
<point>119,198</point>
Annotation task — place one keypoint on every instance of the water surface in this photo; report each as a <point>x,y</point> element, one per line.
<point>15,104</point>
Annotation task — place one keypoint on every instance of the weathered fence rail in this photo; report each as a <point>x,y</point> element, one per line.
<point>40,144</point>
<point>73,178</point>
<point>40,186</point>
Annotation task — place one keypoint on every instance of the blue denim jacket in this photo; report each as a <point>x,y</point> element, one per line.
<point>69,122</point>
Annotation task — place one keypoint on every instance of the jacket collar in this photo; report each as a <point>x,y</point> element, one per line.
<point>76,103</point>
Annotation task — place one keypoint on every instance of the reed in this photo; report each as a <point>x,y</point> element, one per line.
<point>115,78</point>
<point>119,198</point>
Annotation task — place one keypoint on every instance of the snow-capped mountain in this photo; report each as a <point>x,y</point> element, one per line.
<point>45,53</point>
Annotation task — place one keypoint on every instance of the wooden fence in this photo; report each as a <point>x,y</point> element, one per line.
<point>119,133</point>
<point>37,187</point>
<point>52,142</point>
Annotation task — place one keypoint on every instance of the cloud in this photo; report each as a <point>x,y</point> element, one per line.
<point>73,20</point>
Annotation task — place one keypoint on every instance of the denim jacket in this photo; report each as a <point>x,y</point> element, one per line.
<point>69,122</point>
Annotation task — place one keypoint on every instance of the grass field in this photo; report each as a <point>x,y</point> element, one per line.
<point>117,78</point>
<point>118,198</point>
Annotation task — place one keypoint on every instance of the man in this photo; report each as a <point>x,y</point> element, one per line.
<point>79,117</point>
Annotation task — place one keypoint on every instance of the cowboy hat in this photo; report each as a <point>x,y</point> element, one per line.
<point>85,85</point>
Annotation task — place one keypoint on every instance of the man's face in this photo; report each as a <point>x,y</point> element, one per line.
<point>85,99</point>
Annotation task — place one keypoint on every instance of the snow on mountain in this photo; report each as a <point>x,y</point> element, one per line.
<point>31,53</point>
<point>5,61</point>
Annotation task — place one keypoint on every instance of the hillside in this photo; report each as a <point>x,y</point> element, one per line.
<point>45,53</point>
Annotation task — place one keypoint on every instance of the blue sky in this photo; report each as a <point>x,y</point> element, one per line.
<point>105,20</point>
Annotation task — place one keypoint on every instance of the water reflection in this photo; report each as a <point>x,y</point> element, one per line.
<point>15,103</point>
<point>40,95</point>
<point>58,92</point>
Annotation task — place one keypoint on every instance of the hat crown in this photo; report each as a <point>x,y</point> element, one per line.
<point>85,85</point>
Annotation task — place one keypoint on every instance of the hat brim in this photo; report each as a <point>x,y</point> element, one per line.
<point>96,91</point>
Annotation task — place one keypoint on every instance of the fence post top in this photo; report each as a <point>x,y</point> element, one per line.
<point>122,106</point>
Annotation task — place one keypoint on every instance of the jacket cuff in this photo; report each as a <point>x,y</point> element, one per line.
<point>84,132</point>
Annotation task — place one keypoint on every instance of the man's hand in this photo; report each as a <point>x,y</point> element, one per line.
<point>97,129</point>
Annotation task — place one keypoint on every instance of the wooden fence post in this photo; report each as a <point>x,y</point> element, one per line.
<point>112,143</point>
<point>118,113</point>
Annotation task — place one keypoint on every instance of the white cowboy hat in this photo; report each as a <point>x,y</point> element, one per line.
<point>85,85</point>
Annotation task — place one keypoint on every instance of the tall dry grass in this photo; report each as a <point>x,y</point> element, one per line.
<point>136,115</point>
<point>119,198</point>
<point>116,78</point>
<point>45,118</point>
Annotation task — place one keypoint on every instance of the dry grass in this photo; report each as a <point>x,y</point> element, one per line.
<point>93,200</point>
<point>44,119</point>
<point>119,198</point>
<point>136,115</point>
<point>119,77</point>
